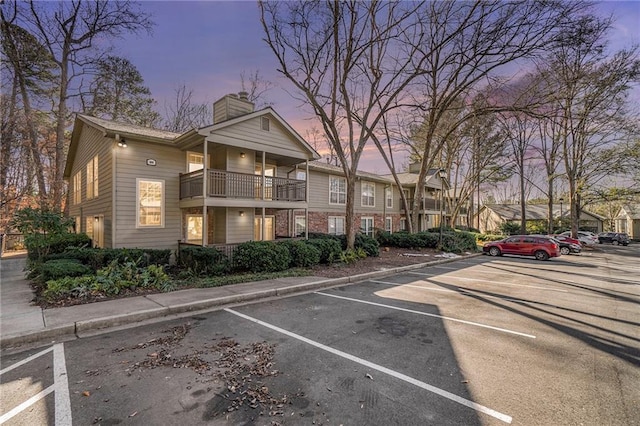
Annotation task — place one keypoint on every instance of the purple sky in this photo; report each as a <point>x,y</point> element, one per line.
<point>206,45</point>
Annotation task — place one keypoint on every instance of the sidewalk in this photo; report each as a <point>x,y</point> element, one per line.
<point>21,322</point>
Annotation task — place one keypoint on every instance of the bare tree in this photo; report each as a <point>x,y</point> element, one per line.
<point>256,87</point>
<point>184,114</point>
<point>468,44</point>
<point>590,94</point>
<point>350,61</point>
<point>68,31</point>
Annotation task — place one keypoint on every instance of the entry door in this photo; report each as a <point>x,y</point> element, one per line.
<point>269,229</point>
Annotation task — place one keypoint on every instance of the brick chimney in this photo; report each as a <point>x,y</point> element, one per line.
<point>231,106</point>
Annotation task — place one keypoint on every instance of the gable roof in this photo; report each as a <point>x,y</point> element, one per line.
<point>337,170</point>
<point>110,128</point>
<point>207,130</point>
<point>411,179</point>
<point>511,212</point>
<point>632,211</point>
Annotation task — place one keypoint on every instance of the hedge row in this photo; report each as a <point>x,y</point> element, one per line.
<point>452,241</point>
<point>97,258</point>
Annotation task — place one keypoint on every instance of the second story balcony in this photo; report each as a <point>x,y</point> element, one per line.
<point>223,184</point>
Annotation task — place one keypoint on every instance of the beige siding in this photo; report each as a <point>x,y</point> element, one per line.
<point>94,144</point>
<point>250,136</point>
<point>219,225</point>
<point>131,165</point>
<point>239,228</point>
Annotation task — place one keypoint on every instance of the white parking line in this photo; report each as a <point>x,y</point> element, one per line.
<point>503,330</point>
<point>63,403</point>
<point>413,286</point>
<point>441,392</point>
<point>60,387</point>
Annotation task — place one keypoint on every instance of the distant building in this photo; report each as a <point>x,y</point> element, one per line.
<point>628,220</point>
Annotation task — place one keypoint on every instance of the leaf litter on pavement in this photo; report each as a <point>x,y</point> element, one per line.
<point>240,367</point>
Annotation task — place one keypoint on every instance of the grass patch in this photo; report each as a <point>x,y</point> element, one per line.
<point>208,282</point>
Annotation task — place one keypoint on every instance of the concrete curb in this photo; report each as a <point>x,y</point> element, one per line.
<point>72,330</point>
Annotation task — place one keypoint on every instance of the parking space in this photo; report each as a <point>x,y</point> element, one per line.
<point>479,341</point>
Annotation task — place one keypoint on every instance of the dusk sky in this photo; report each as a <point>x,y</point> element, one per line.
<point>206,45</point>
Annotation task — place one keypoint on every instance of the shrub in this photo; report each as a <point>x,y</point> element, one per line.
<point>329,248</point>
<point>302,254</point>
<point>98,258</point>
<point>350,256</point>
<point>510,228</point>
<point>40,246</point>
<point>370,245</point>
<point>261,256</point>
<point>76,287</point>
<point>205,261</point>
<point>59,268</point>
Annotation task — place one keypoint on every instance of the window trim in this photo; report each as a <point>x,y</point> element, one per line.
<point>338,203</point>
<point>265,124</point>
<point>373,193</point>
<point>77,188</point>
<point>162,203</point>
<point>390,219</point>
<point>369,232</point>
<point>295,225</point>
<point>344,224</point>
<point>92,178</point>
<point>388,196</point>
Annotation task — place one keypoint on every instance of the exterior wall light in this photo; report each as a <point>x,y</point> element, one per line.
<point>241,213</point>
<point>242,155</point>
<point>122,143</point>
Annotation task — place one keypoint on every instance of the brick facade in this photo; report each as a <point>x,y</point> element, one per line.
<point>319,221</point>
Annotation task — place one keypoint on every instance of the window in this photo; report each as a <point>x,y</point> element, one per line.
<point>89,229</point>
<point>388,197</point>
<point>150,203</point>
<point>265,124</point>
<point>301,226</point>
<point>92,178</point>
<point>194,228</point>
<point>337,190</point>
<point>78,224</point>
<point>368,194</point>
<point>388,224</point>
<point>195,162</point>
<point>77,188</point>
<point>403,224</point>
<point>336,225</point>
<point>366,226</point>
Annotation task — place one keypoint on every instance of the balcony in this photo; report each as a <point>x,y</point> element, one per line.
<point>427,204</point>
<point>223,184</point>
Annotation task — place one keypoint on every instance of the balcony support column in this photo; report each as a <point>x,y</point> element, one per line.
<point>205,175</point>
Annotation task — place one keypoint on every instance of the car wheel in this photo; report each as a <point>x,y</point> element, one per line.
<point>494,251</point>
<point>615,243</point>
<point>565,250</point>
<point>541,255</point>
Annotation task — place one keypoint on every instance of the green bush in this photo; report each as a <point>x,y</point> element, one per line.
<point>351,256</point>
<point>75,287</point>
<point>203,261</point>
<point>302,254</point>
<point>261,256</point>
<point>452,241</point>
<point>370,245</point>
<point>59,268</point>
<point>40,246</point>
<point>98,258</point>
<point>510,228</point>
<point>329,248</point>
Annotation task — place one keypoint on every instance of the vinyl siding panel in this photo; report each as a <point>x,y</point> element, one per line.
<point>131,165</point>
<point>93,143</point>
<point>239,228</point>
<point>249,135</point>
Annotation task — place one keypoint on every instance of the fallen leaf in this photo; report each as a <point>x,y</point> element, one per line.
<point>368,376</point>
<point>86,393</point>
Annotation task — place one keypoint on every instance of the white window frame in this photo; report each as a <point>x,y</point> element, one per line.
<point>162,202</point>
<point>339,180</point>
<point>403,224</point>
<point>365,221</point>
<point>388,221</point>
<point>299,222</point>
<point>388,196</point>
<point>92,178</point>
<point>77,188</point>
<point>335,220</point>
<point>192,166</point>
<point>370,199</point>
<point>89,227</point>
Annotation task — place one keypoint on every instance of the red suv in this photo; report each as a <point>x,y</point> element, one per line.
<point>524,245</point>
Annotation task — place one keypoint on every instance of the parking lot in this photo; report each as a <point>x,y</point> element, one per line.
<point>479,341</point>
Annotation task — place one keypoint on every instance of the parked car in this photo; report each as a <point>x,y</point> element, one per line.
<point>614,238</point>
<point>568,245</point>
<point>539,246</point>
<point>586,238</point>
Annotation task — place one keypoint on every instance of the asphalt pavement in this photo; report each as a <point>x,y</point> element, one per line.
<point>22,322</point>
